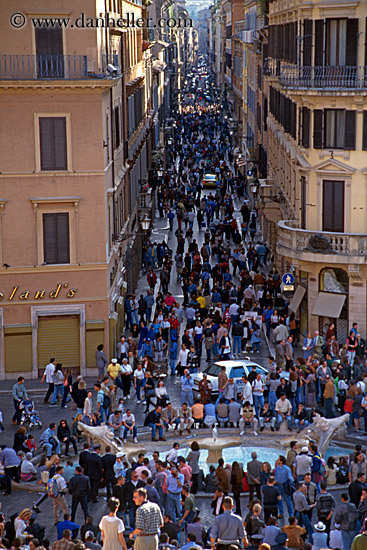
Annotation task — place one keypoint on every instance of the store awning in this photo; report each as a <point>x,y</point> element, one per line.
<point>329,304</point>
<point>241,162</point>
<point>297,298</point>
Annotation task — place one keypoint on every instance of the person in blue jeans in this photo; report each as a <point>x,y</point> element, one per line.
<point>128,422</point>
<point>284,479</point>
<point>173,357</point>
<point>154,421</point>
<point>175,482</point>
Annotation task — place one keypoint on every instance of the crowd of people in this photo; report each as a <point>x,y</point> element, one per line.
<point>232,303</point>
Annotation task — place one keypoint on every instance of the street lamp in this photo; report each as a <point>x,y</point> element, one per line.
<point>160,173</point>
<point>145,223</point>
<point>169,141</point>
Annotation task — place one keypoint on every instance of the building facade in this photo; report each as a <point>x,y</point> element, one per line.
<point>315,197</point>
<point>78,105</point>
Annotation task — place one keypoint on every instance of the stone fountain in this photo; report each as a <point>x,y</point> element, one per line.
<point>320,431</point>
<point>103,436</point>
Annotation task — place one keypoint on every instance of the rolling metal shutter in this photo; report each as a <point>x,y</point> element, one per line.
<point>59,337</point>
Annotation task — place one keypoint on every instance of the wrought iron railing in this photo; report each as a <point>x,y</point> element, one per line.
<point>294,76</point>
<point>38,67</point>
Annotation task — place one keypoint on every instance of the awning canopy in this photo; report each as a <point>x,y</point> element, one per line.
<point>329,304</point>
<point>297,298</point>
<point>241,162</point>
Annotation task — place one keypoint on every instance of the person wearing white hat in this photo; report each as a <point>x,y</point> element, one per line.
<point>319,537</point>
<point>114,370</point>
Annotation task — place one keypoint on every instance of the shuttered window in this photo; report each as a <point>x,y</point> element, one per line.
<point>333,206</point>
<point>364,134</point>
<point>306,127</point>
<point>352,42</point>
<point>318,129</point>
<point>56,245</point>
<point>334,129</point>
<point>307,42</point>
<point>53,143</point>
<point>49,50</point>
<point>350,130</point>
<point>319,42</point>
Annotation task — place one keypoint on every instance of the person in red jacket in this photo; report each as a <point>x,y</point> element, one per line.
<point>152,279</point>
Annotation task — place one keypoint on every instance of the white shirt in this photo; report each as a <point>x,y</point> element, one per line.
<point>128,419</point>
<point>49,370</point>
<point>247,393</point>
<point>172,455</point>
<point>233,309</point>
<point>258,387</point>
<point>139,374</point>
<point>88,405</point>
<point>182,357</point>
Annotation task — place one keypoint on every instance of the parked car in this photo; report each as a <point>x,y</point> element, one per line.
<point>234,369</point>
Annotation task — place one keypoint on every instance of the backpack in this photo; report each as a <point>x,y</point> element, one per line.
<point>106,401</point>
<point>52,489</point>
<point>258,333</point>
<point>322,467</point>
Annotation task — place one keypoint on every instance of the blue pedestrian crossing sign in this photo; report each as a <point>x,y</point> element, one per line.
<point>250,173</point>
<point>288,279</point>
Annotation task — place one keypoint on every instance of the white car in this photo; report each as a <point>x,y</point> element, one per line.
<point>234,369</point>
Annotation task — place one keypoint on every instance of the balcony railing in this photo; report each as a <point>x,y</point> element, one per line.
<point>39,67</point>
<point>296,241</point>
<point>329,77</point>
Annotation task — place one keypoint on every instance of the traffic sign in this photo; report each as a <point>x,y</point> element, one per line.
<point>250,173</point>
<point>288,279</point>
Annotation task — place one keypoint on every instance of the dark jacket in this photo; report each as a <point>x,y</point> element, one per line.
<point>129,491</point>
<point>62,432</point>
<point>93,468</point>
<point>83,457</point>
<point>79,486</point>
<point>119,492</point>
<point>108,462</point>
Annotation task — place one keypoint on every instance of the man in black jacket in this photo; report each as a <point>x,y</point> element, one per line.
<point>119,491</point>
<point>130,487</point>
<point>108,461</point>
<point>79,488</point>
<point>94,470</point>
<point>355,489</point>
<point>83,455</point>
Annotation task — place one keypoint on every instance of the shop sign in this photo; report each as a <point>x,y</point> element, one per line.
<point>17,294</point>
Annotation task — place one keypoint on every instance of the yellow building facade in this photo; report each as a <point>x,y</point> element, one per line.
<point>314,199</point>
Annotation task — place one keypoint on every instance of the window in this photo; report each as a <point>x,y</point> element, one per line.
<point>116,127</point>
<point>333,206</point>
<point>334,129</point>
<point>364,134</point>
<point>237,372</point>
<point>336,42</point>
<point>49,51</point>
<point>56,242</point>
<point>53,143</point>
<point>336,30</point>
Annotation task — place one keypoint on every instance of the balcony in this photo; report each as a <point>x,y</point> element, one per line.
<point>43,67</point>
<point>328,78</point>
<point>320,246</point>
